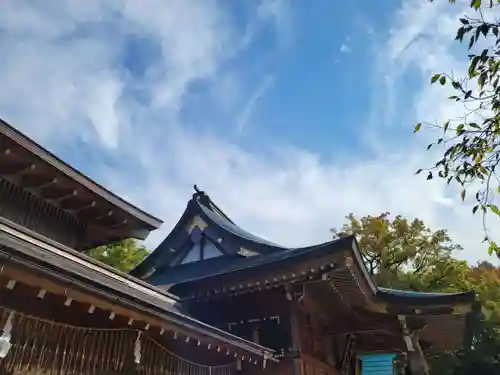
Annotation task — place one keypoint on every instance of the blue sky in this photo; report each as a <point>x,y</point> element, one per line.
<point>289,114</point>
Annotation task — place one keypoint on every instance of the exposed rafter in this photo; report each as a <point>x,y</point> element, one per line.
<point>108,214</point>
<point>118,224</point>
<point>58,195</point>
<point>14,168</point>
<point>75,206</point>
<point>37,182</point>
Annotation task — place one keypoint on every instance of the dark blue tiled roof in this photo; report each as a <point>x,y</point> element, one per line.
<point>160,268</point>
<point>233,228</point>
<point>423,297</point>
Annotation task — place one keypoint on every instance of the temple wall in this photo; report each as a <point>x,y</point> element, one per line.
<point>26,209</point>
<point>260,317</point>
<point>313,342</point>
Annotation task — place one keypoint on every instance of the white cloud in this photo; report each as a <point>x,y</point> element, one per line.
<point>61,80</point>
<point>345,49</point>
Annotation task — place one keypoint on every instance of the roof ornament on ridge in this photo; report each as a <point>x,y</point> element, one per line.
<point>204,199</point>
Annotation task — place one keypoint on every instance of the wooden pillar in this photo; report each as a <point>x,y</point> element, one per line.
<point>293,309</point>
<point>256,335</point>
<point>416,358</point>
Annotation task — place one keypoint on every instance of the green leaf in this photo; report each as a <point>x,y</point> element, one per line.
<point>475,208</point>
<point>462,195</point>
<point>494,209</point>
<point>420,171</point>
<point>481,80</point>
<point>485,28</point>
<point>442,80</point>
<point>460,34</point>
<point>417,127</point>
<point>484,55</point>
<point>435,77</point>
<point>493,248</point>
<point>429,176</point>
<point>471,41</point>
<point>475,4</point>
<point>473,65</point>
<point>123,255</point>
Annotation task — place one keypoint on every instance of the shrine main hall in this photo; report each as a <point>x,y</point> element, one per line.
<point>211,299</point>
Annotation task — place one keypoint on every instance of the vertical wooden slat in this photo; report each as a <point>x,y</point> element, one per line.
<point>50,348</point>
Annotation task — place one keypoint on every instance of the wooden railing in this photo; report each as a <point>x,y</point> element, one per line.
<point>313,366</point>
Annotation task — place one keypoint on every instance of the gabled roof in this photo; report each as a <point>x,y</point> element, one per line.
<point>333,271</point>
<point>247,263</point>
<point>202,218</point>
<point>43,174</point>
<point>218,228</point>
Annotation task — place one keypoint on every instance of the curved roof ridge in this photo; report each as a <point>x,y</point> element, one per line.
<point>389,294</point>
<point>201,196</point>
<point>417,293</point>
<point>234,228</point>
<point>216,216</point>
<point>425,297</point>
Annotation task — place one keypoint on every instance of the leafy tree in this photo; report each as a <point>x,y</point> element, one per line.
<point>390,247</point>
<point>471,143</point>
<point>483,357</point>
<point>123,255</point>
<point>408,255</point>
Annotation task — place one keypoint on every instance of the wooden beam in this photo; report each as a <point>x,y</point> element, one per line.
<point>295,330</point>
<point>117,308</point>
<point>342,330</point>
<point>37,181</point>
<point>58,195</point>
<point>75,205</point>
<point>109,213</point>
<point>14,168</point>
<point>118,224</point>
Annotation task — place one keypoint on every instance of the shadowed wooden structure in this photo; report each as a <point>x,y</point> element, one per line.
<point>64,313</point>
<point>212,299</point>
<point>48,196</point>
<point>316,306</point>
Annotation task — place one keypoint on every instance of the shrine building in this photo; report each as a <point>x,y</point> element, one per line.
<point>211,299</point>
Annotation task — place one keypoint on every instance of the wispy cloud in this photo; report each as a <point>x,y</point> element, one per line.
<point>65,78</point>
<point>245,115</point>
<point>345,49</point>
<point>279,12</point>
